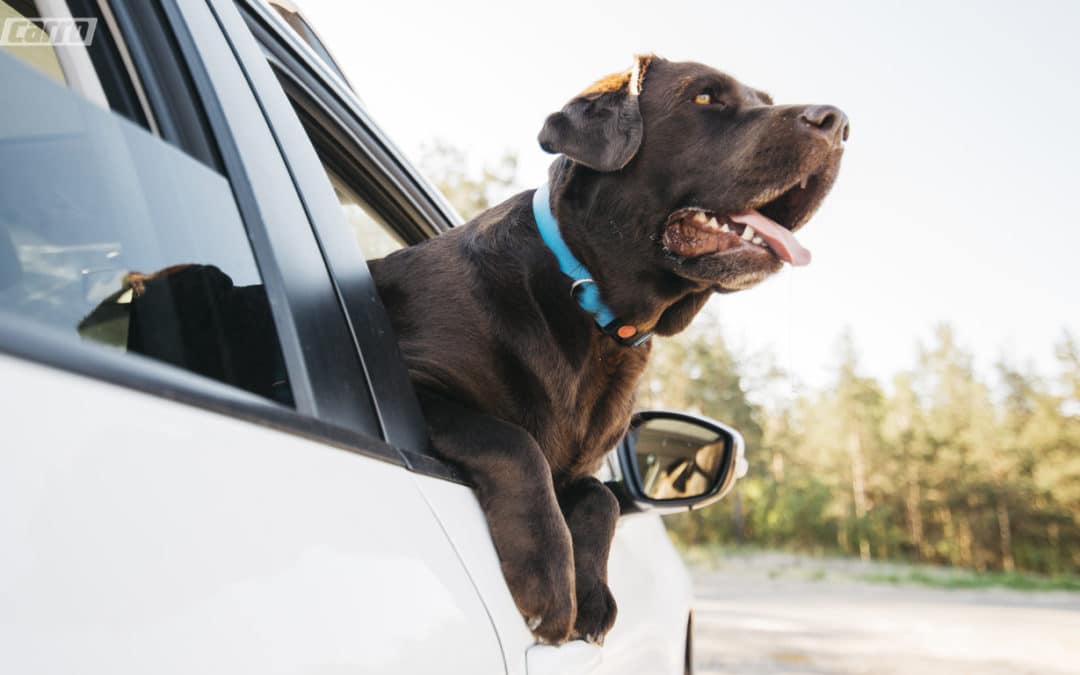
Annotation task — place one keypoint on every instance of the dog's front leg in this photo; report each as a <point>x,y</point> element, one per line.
<point>591,511</point>
<point>513,483</point>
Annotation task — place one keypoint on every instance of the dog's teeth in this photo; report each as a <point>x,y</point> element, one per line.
<point>725,228</point>
<point>699,218</point>
<point>759,241</point>
<point>748,233</point>
<point>535,622</point>
<point>802,183</point>
<point>712,224</point>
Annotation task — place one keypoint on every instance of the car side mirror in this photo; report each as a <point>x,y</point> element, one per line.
<point>674,462</point>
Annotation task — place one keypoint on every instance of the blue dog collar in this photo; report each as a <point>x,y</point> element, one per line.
<point>584,289</point>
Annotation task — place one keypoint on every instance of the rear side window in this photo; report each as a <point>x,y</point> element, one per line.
<point>112,236</point>
<point>373,236</point>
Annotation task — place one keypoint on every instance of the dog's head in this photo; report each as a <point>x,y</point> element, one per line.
<point>678,169</point>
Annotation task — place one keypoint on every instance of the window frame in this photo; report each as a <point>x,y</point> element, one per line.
<point>311,326</point>
<point>110,53</point>
<point>336,126</point>
<point>164,68</point>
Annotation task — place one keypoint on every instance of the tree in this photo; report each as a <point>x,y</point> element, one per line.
<point>447,167</point>
<point>696,372</point>
<point>938,470</point>
<point>842,433</point>
<point>904,433</point>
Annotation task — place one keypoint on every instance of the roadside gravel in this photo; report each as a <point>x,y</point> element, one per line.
<point>778,613</point>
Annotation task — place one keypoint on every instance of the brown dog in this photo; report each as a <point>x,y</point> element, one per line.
<point>674,182</point>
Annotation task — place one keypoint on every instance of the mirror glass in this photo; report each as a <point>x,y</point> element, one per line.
<point>677,459</point>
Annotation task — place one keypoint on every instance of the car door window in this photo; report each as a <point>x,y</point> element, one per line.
<point>373,236</point>
<point>110,235</point>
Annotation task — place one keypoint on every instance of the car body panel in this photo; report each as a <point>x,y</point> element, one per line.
<point>652,588</point>
<point>649,633</point>
<point>142,535</point>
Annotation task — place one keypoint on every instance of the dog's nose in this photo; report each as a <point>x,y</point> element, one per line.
<point>827,121</point>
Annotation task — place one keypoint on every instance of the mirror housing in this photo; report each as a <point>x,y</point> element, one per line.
<point>672,462</point>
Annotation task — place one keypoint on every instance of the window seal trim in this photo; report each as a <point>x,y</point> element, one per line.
<point>168,83</point>
<point>105,8</point>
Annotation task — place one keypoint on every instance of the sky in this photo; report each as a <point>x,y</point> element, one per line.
<point>955,201</point>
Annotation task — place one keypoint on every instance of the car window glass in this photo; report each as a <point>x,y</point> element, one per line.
<point>112,236</point>
<point>373,236</point>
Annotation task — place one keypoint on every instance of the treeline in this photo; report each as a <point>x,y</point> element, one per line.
<point>939,466</point>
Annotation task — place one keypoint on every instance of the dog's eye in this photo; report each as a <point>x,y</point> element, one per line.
<point>704,98</point>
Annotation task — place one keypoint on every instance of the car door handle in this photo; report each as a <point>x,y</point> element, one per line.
<point>573,658</point>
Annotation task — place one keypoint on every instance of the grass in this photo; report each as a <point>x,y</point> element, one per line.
<point>967,579</point>
<point>788,565</point>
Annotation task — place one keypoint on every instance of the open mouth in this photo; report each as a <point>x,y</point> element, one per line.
<point>767,225</point>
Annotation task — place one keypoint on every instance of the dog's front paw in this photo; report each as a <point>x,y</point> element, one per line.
<point>544,595</point>
<point>596,611</point>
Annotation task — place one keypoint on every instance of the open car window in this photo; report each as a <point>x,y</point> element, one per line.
<point>374,237</point>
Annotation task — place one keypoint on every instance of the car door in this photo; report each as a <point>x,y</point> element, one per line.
<point>194,475</point>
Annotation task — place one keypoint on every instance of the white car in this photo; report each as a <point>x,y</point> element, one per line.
<point>189,484</point>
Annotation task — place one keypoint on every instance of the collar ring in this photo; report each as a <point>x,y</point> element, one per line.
<point>580,282</point>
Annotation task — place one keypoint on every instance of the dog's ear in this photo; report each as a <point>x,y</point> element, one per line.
<point>601,127</point>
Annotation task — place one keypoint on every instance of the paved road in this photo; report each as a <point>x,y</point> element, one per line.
<point>760,614</point>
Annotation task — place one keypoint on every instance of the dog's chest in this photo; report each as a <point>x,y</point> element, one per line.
<point>593,421</point>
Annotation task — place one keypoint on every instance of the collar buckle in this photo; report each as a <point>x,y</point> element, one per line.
<point>626,334</point>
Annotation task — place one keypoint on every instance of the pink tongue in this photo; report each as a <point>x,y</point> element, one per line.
<point>779,238</point>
